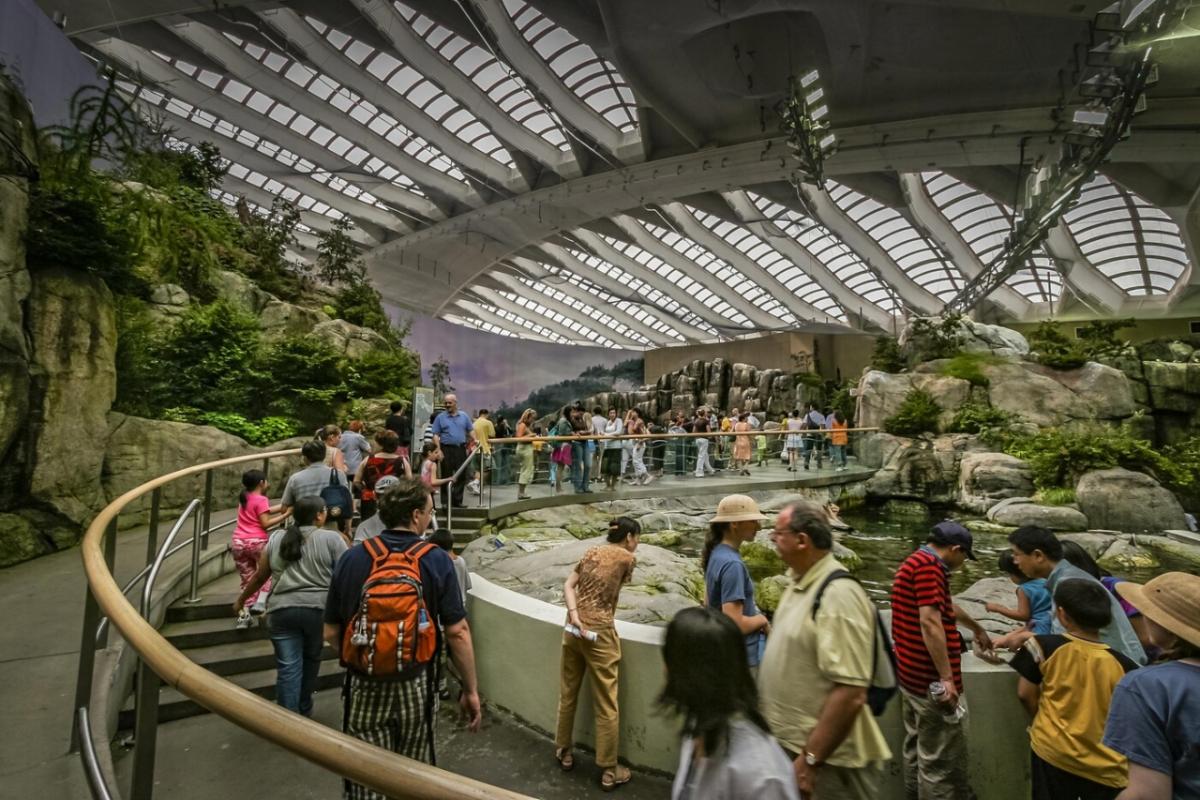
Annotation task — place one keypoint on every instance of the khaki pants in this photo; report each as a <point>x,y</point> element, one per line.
<point>935,751</point>
<point>600,659</point>
<point>843,783</point>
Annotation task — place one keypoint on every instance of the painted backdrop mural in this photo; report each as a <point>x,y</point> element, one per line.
<point>490,371</point>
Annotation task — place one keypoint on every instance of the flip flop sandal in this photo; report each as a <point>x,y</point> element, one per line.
<point>566,761</point>
<point>615,777</point>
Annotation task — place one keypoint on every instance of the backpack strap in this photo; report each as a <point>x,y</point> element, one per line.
<point>837,574</point>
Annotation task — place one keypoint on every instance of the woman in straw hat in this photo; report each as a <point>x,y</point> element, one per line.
<point>1154,718</point>
<point>727,584</point>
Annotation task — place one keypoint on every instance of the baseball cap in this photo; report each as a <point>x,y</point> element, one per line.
<point>385,483</point>
<point>737,508</point>
<point>950,532</point>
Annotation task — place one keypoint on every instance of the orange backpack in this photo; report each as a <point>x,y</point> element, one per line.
<point>392,635</point>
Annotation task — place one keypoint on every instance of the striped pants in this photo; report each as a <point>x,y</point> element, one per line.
<point>392,715</point>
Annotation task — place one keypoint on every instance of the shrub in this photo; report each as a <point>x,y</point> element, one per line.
<point>359,304</point>
<point>1097,339</point>
<point>381,372</point>
<point>917,414</point>
<point>1055,497</point>
<point>887,356</point>
<point>969,367</point>
<point>262,432</point>
<point>1059,456</point>
<point>208,359</point>
<point>929,339</point>
<point>979,418</point>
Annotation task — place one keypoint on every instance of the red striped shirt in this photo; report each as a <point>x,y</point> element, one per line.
<point>922,580</point>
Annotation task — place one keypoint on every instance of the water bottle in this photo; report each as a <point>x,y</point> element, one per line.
<point>937,694</point>
<point>580,633</point>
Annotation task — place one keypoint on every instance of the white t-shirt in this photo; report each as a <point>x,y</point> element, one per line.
<point>598,423</point>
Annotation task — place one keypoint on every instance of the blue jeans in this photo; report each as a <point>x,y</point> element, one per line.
<point>837,454</point>
<point>296,635</point>
<point>581,467</point>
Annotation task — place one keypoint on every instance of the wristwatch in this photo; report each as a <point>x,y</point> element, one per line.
<point>811,759</point>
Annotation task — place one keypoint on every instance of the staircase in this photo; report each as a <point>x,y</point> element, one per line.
<point>206,634</point>
<point>467,522</point>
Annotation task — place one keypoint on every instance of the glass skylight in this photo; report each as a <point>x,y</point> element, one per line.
<point>497,79</point>
<point>519,322</point>
<point>1132,242</point>
<point>595,312</point>
<point>592,335</point>
<point>775,263</point>
<point>592,78</point>
<point>914,252</point>
<point>984,224</point>
<point>827,248</point>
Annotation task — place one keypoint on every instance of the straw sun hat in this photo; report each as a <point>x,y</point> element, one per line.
<point>737,508</point>
<point>1172,600</point>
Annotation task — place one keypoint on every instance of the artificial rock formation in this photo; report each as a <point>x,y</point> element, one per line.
<point>985,478</point>
<point>1121,500</point>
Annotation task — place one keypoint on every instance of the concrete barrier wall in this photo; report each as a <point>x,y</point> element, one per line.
<point>517,643</point>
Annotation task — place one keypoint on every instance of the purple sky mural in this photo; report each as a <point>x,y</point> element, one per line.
<point>488,370</point>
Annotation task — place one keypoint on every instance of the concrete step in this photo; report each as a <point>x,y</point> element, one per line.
<point>173,705</point>
<point>209,632</point>
<point>233,659</point>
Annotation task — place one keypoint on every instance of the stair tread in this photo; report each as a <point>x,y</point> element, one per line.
<point>253,681</point>
<point>212,625</point>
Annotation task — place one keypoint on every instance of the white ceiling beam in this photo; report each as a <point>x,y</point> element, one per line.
<point>832,217</point>
<point>536,272</point>
<point>1083,276</point>
<point>337,65</point>
<point>318,222</point>
<point>568,261</point>
<point>481,314</point>
<point>851,301</point>
<point>572,108</point>
<point>699,233</point>
<point>651,243</point>
<point>517,310</point>
<point>162,77</point>
<point>214,45</point>
<point>930,217</point>
<point>580,316</point>
<point>414,50</point>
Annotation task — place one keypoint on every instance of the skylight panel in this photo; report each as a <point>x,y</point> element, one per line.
<point>590,77</point>
<point>1132,242</point>
<point>607,321</point>
<point>984,224</point>
<point>542,310</point>
<point>636,310</point>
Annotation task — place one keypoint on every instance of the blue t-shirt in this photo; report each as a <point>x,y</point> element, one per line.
<point>726,580</point>
<point>438,581</point>
<point>1154,721</point>
<point>453,429</point>
<point>1041,605</point>
<point>1118,634</point>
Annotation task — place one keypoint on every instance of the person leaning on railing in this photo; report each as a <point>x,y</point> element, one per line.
<point>525,463</point>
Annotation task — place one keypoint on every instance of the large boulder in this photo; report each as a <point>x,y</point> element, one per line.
<point>279,319</point>
<point>168,302</point>
<point>349,340</point>
<point>986,477</point>
<point>1121,500</point>
<point>74,336</point>
<point>1023,389</point>
<point>989,590</point>
<point>1106,390</point>
<point>1173,386</point>
<point>1056,518</point>
<point>238,290</point>
<point>881,394</point>
<point>140,449</point>
<point>974,337</point>
<point>925,469</point>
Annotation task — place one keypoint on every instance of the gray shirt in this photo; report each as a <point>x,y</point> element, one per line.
<point>303,583</point>
<point>369,528</point>
<point>464,577</point>
<point>355,448</point>
<point>751,765</point>
<point>309,482</point>
<point>1118,634</point>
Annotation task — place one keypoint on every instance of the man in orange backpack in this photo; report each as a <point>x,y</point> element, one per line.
<point>388,596</point>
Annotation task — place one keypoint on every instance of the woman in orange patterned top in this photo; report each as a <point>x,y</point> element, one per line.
<point>590,645</point>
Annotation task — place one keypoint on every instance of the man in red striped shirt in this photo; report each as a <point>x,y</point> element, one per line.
<point>928,652</point>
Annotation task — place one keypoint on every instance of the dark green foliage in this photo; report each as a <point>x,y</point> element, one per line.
<point>887,356</point>
<point>265,239</point>
<point>359,304</point>
<point>167,169</point>
<point>210,356</point>
<point>381,373</point>
<point>140,373</point>
<point>809,380</point>
<point>929,340</point>
<point>917,414</point>
<point>977,418</point>
<point>1097,339</point>
<point>338,261</point>
<point>842,400</point>
<point>969,367</point>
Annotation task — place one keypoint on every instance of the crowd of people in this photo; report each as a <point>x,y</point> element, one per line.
<point>779,706</point>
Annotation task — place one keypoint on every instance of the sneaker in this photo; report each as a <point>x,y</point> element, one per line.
<point>244,620</point>
<point>646,479</point>
<point>474,487</point>
<point>840,469</point>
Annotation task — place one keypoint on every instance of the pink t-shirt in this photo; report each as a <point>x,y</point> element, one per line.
<point>428,472</point>
<point>248,526</point>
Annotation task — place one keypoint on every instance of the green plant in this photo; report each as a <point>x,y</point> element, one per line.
<point>917,414</point>
<point>979,418</point>
<point>262,432</point>
<point>937,337</point>
<point>266,238</point>
<point>209,359</point>
<point>381,372</point>
<point>809,380</point>
<point>74,225</point>
<point>338,261</point>
<point>1055,497</point>
<point>887,356</point>
<point>969,367</point>
<point>1097,339</point>
<point>358,303</point>
<point>842,400</point>
<point>1057,457</point>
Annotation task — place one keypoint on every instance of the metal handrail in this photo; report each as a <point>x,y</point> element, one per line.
<point>382,770</point>
<point>87,754</point>
<point>450,487</point>
<point>148,587</point>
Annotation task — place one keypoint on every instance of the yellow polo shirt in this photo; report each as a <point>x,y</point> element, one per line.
<point>484,431</point>
<point>803,660</point>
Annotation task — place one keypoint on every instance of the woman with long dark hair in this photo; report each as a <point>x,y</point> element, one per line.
<point>299,561</point>
<point>727,750</point>
<point>590,646</point>
<point>254,518</point>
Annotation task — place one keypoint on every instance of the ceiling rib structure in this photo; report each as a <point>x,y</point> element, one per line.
<point>610,172</point>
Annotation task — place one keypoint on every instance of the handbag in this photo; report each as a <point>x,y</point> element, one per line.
<point>339,503</point>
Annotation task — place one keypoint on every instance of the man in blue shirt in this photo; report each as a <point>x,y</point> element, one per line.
<point>814,442</point>
<point>379,710</point>
<point>727,584</point>
<point>452,430</point>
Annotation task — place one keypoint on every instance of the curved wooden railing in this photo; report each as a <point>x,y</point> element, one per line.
<point>351,758</point>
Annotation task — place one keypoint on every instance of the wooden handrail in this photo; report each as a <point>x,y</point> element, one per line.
<point>382,770</point>
<point>661,436</point>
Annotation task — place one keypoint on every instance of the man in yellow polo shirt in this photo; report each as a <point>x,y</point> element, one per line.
<point>485,431</point>
<point>814,676</point>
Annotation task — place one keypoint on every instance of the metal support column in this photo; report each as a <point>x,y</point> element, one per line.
<point>194,585</point>
<point>206,511</point>
<point>87,639</point>
<point>152,539</point>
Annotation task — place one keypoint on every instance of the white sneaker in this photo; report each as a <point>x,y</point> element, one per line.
<point>647,478</point>
<point>474,487</point>
<point>244,620</point>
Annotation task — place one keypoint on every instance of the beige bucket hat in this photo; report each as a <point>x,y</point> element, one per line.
<point>1172,600</point>
<point>737,508</point>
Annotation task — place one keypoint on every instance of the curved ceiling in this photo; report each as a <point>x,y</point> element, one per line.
<point>610,171</point>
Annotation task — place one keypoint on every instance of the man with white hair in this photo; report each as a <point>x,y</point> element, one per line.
<point>452,431</point>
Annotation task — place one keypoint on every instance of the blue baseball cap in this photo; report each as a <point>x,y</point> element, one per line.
<point>949,532</point>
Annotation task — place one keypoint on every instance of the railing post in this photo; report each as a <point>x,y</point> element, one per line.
<point>194,585</point>
<point>152,539</point>
<point>206,512</point>
<point>266,468</point>
<point>145,726</point>
<point>87,640</point>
